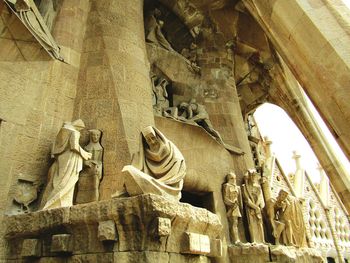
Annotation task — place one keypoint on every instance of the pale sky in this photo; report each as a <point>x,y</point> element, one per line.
<point>286,137</point>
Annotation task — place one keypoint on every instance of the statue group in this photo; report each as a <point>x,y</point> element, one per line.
<point>159,168</point>
<point>285,214</point>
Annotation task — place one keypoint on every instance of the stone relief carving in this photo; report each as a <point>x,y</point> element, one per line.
<point>158,168</point>
<point>160,96</point>
<point>64,172</point>
<point>196,113</point>
<point>26,193</point>
<point>48,9</point>
<point>153,28</point>
<point>289,227</point>
<point>33,20</point>
<point>90,177</point>
<point>231,193</point>
<point>254,203</point>
<point>191,56</point>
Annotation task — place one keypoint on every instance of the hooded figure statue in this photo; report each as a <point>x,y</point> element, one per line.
<point>64,172</point>
<point>158,168</point>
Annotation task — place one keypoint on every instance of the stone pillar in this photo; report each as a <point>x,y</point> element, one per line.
<point>299,177</point>
<point>114,89</point>
<point>312,37</point>
<point>222,101</point>
<point>324,187</point>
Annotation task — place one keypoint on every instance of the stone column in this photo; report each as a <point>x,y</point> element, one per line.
<point>312,37</point>
<point>324,187</point>
<point>222,101</point>
<point>114,89</point>
<point>299,177</point>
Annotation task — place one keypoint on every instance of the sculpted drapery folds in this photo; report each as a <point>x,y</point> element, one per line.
<point>232,198</point>
<point>64,172</point>
<point>289,214</point>
<point>158,168</point>
<point>254,203</point>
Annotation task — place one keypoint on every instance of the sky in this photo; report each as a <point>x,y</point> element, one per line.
<point>286,137</point>
<point>347,3</point>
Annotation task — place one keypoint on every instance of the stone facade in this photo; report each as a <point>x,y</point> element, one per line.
<point>218,61</point>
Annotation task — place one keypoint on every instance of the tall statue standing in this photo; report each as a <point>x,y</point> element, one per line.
<point>153,28</point>
<point>254,203</point>
<point>232,198</point>
<point>158,168</point>
<point>64,172</point>
<point>90,177</point>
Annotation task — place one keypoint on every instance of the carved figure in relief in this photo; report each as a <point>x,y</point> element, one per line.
<point>91,175</point>
<point>191,55</point>
<point>26,192</point>
<point>64,172</point>
<point>161,96</point>
<point>153,28</point>
<point>158,168</point>
<point>289,217</point>
<point>231,193</point>
<point>48,9</point>
<point>33,20</point>
<point>197,113</point>
<point>254,203</point>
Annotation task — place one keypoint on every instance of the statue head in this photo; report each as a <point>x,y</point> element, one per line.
<point>157,13</point>
<point>150,136</point>
<point>231,178</point>
<point>253,176</point>
<point>282,195</point>
<point>95,135</point>
<point>78,124</point>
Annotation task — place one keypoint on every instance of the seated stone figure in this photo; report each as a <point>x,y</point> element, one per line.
<point>158,168</point>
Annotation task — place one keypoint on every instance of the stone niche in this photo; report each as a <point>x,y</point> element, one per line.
<point>145,228</point>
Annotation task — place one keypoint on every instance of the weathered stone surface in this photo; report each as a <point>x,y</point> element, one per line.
<point>31,248</point>
<point>194,243</point>
<point>107,231</point>
<point>134,217</point>
<point>162,227</point>
<point>61,243</point>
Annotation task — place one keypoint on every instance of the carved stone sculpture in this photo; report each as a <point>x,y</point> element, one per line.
<point>32,19</point>
<point>26,193</point>
<point>231,193</point>
<point>48,10</point>
<point>153,28</point>
<point>64,172</point>
<point>158,168</point>
<point>290,228</point>
<point>191,55</point>
<point>161,96</point>
<point>196,113</point>
<point>90,177</point>
<point>254,203</point>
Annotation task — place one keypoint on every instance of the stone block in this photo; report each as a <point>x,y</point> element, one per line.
<point>31,248</point>
<point>196,244</point>
<point>107,231</point>
<point>215,248</point>
<point>61,243</point>
<point>163,227</point>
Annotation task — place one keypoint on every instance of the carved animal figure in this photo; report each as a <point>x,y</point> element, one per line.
<point>26,193</point>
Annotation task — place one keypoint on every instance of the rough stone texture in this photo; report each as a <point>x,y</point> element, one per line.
<point>114,89</point>
<point>77,227</point>
<point>107,231</point>
<point>31,248</point>
<point>61,243</point>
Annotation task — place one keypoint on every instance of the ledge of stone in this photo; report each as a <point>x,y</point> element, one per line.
<point>261,253</point>
<point>140,223</point>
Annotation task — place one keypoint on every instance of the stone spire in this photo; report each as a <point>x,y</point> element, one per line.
<point>324,186</point>
<point>268,143</point>
<point>299,176</point>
